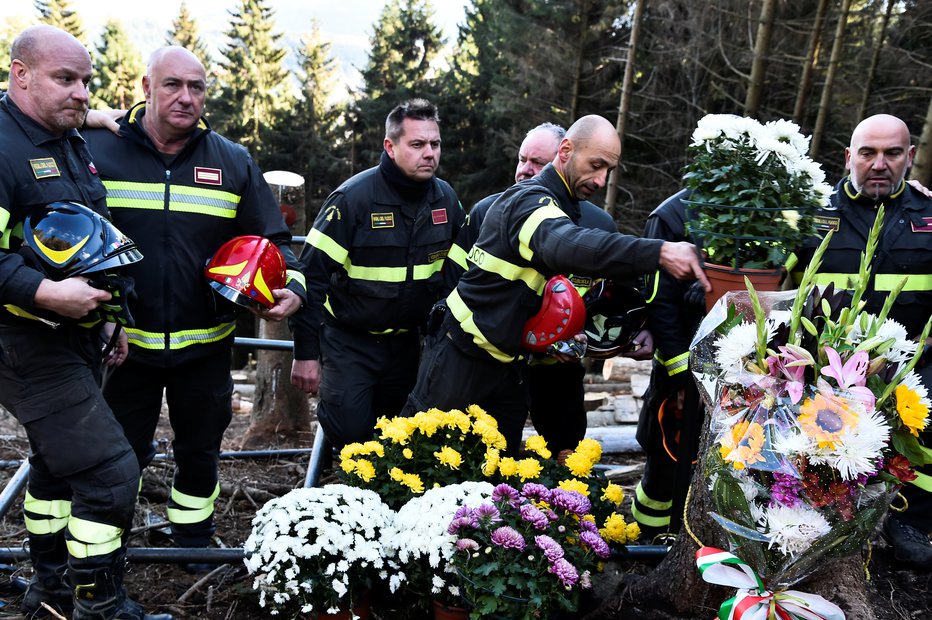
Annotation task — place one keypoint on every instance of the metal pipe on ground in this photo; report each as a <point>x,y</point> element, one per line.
<point>14,487</point>
<point>154,555</point>
<point>319,458</point>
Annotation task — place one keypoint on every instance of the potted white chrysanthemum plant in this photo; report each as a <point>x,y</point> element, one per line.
<point>423,548</point>
<point>318,551</point>
<point>753,192</point>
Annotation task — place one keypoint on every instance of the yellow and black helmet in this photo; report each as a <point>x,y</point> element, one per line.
<point>67,239</point>
<point>615,313</point>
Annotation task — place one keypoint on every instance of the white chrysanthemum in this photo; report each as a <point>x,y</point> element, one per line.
<point>793,530</point>
<point>758,513</point>
<point>792,442</point>
<point>791,217</point>
<point>735,346</point>
<point>903,347</point>
<point>857,449</point>
<point>788,131</point>
<point>750,489</point>
<point>914,383</point>
<point>767,146</point>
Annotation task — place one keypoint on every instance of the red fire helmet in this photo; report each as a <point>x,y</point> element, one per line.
<point>562,315</point>
<point>246,269</point>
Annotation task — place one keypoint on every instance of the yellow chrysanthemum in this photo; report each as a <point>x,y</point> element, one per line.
<point>489,434</point>
<point>580,464</point>
<point>633,531</point>
<point>413,482</point>
<point>825,417</point>
<point>407,453</point>
<point>475,410</point>
<point>350,450</point>
<point>347,465</point>
<point>396,474</point>
<point>381,423</point>
<point>591,448</point>
<point>913,412</point>
<point>615,530</point>
<point>398,430</point>
<point>528,469</point>
<point>490,466</point>
<point>460,420</point>
<point>507,467</point>
<point>449,457</point>
<point>613,493</point>
<point>365,469</point>
<point>743,445</point>
<point>427,423</point>
<point>373,447</point>
<point>574,485</point>
<point>538,445</point>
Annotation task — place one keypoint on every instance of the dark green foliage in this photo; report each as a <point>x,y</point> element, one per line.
<point>58,13</point>
<point>185,32</point>
<point>118,70</point>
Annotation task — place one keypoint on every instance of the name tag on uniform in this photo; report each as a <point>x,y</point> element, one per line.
<point>44,167</point>
<point>826,224</point>
<point>383,220</point>
<point>435,256</point>
<point>925,227</point>
<point>438,216</point>
<point>208,176</point>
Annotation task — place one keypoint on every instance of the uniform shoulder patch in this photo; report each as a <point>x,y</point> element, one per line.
<point>925,227</point>
<point>438,216</point>
<point>383,220</point>
<point>825,223</point>
<point>44,167</point>
<point>438,255</point>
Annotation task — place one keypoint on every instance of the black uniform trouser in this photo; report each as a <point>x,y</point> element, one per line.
<point>199,408</point>
<point>450,378</point>
<point>49,380</point>
<point>557,404</point>
<point>363,376</point>
<point>919,510</point>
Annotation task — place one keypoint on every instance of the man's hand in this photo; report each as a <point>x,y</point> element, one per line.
<point>287,303</point>
<point>120,350</point>
<point>694,297</point>
<point>104,119</point>
<point>305,375</point>
<point>72,298</point>
<point>642,346</point>
<point>682,261</point>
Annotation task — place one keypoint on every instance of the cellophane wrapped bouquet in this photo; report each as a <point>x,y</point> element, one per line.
<point>815,411</point>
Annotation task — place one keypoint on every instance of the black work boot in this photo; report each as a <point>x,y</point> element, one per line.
<point>911,546</point>
<point>49,558</point>
<point>99,593</point>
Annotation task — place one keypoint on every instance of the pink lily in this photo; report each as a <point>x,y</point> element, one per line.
<point>790,363</point>
<point>850,376</point>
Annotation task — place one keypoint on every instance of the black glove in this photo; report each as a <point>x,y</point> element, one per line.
<point>116,310</point>
<point>694,297</point>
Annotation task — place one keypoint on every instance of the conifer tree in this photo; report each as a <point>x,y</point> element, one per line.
<point>184,32</point>
<point>118,70</point>
<point>254,86</point>
<point>58,13</point>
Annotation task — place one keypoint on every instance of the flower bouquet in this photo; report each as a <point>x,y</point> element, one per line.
<point>526,554</point>
<point>432,448</point>
<point>752,190</point>
<point>815,411</point>
<point>422,546</point>
<point>317,550</point>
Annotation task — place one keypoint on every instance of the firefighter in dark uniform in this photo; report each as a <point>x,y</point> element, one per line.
<point>81,491</point>
<point>877,160</point>
<point>675,309</point>
<point>180,191</point>
<point>530,234</point>
<point>373,263</point>
<point>556,399</point>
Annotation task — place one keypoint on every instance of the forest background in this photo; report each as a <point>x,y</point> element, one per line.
<point>654,67</point>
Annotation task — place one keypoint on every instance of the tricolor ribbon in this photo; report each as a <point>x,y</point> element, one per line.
<point>753,601</point>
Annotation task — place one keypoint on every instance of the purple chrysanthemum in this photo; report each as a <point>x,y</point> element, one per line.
<point>508,537</point>
<point>461,523</point>
<point>585,580</point>
<point>487,513</point>
<point>785,490</point>
<point>467,544</point>
<point>586,525</point>
<point>505,492</point>
<point>535,516</point>
<point>565,572</point>
<point>571,501</point>
<point>536,491</point>
<point>595,542</point>
<point>551,548</point>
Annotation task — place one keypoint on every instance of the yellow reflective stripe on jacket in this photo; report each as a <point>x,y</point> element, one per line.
<point>327,245</point>
<point>182,198</point>
<point>56,508</point>
<point>493,264</point>
<point>914,281</point>
<point>677,364</point>
<point>295,275</point>
<point>656,280</point>
<point>840,280</point>
<point>458,256</point>
<point>92,539</point>
<point>193,509</point>
<point>178,340</point>
<point>464,315</point>
<point>548,210</point>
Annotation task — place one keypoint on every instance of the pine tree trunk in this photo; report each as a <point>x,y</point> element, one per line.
<point>761,52</point>
<point>875,59</point>
<point>922,164</point>
<point>281,413</point>
<point>825,103</point>
<point>812,55</point>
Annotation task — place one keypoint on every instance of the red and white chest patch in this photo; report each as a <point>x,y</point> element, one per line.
<point>438,216</point>
<point>208,176</point>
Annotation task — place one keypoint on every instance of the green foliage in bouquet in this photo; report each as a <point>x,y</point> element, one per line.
<point>752,190</point>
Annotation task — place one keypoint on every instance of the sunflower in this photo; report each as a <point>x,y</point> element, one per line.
<point>825,417</point>
<point>743,446</point>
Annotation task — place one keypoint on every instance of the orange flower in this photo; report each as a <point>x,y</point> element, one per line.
<point>825,417</point>
<point>743,445</point>
<point>913,412</point>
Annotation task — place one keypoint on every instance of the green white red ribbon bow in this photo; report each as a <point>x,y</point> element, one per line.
<point>755,602</point>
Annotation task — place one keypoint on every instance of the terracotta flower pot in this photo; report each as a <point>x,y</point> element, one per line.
<point>724,279</point>
<point>446,612</point>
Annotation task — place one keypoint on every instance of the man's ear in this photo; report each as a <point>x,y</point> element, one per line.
<point>146,86</point>
<point>389,147</point>
<point>565,150</point>
<point>19,73</point>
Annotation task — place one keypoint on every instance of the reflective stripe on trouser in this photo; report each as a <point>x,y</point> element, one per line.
<point>648,512</point>
<point>89,539</point>
<point>45,516</point>
<point>188,509</point>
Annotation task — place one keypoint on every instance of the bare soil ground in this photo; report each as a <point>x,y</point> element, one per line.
<point>226,594</point>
